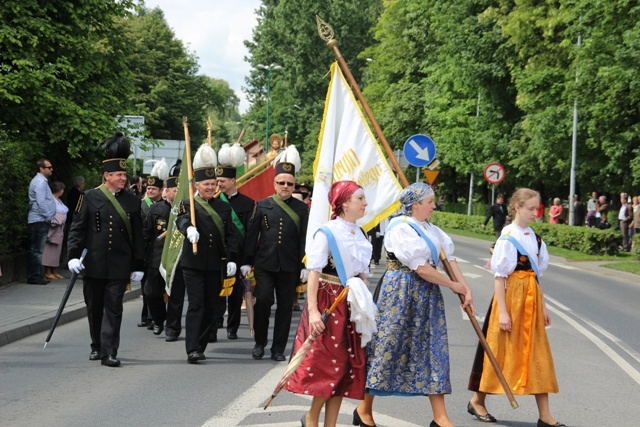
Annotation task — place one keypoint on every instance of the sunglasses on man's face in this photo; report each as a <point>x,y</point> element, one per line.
<point>283,183</point>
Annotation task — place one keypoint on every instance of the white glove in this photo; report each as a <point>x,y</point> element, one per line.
<point>75,265</point>
<point>231,269</point>
<point>378,234</point>
<point>136,276</point>
<point>192,234</point>
<point>245,270</point>
<point>304,275</point>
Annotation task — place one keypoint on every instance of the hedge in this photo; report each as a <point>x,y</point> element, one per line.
<point>587,240</point>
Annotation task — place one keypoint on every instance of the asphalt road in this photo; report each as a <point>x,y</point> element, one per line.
<point>595,339</point>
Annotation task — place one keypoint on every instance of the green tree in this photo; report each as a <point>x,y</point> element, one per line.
<point>167,86</point>
<point>286,35</point>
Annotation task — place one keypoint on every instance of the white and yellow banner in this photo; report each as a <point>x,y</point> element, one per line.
<point>347,149</point>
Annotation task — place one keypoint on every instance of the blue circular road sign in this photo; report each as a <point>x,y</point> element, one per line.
<point>419,150</point>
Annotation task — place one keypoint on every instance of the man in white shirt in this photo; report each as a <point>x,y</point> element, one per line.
<point>42,210</point>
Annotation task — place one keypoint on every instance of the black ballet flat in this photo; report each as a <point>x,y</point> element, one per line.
<point>303,420</point>
<point>357,421</point>
<point>543,424</point>
<point>482,418</point>
<point>434,424</point>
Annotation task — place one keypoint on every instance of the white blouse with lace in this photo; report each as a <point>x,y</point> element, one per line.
<point>411,249</point>
<point>350,237</point>
<point>505,255</point>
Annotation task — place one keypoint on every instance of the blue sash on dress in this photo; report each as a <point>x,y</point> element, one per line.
<point>421,233</point>
<point>514,242</point>
<point>335,252</point>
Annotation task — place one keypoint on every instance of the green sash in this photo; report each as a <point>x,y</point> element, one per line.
<point>234,216</point>
<point>215,217</point>
<point>121,211</point>
<point>294,216</point>
<point>148,201</point>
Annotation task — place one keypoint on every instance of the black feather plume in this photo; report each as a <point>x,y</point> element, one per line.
<point>175,169</point>
<point>117,147</point>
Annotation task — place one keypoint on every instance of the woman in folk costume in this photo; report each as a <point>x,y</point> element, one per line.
<point>515,323</point>
<point>335,366</point>
<point>409,356</point>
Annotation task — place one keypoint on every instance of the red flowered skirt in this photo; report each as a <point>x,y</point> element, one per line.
<point>335,363</point>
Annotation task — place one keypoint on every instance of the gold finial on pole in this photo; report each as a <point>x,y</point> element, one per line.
<point>326,33</point>
<point>324,30</point>
<point>209,128</point>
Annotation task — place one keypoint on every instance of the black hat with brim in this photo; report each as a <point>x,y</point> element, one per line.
<point>225,172</point>
<point>285,167</point>
<point>204,174</point>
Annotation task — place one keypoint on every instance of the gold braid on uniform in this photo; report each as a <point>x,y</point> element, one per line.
<point>79,204</point>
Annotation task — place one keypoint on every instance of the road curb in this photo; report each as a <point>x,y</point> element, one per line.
<point>43,323</point>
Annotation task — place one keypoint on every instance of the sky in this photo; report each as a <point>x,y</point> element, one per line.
<point>214,30</point>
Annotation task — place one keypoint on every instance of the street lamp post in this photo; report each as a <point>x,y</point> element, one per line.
<point>269,68</point>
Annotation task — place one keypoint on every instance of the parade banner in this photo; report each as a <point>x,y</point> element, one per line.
<point>174,238</point>
<point>347,149</point>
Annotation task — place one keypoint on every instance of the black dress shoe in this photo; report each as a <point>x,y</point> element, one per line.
<point>150,325</point>
<point>171,339</point>
<point>357,421</point>
<point>232,335</point>
<point>143,324</point>
<point>278,357</point>
<point>258,352</point>
<point>111,361</point>
<point>38,282</point>
<point>157,329</point>
<point>543,424</point>
<point>195,356</point>
<point>482,418</point>
<point>95,355</point>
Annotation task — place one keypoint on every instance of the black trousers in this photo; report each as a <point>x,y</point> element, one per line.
<point>284,285</point>
<point>233,305</point>
<point>154,291</point>
<point>173,323</point>
<point>103,299</point>
<point>203,290</point>
<point>145,315</point>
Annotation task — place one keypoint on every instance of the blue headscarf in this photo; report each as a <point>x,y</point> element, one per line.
<point>412,194</point>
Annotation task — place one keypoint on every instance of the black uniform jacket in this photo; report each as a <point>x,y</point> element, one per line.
<point>210,253</point>
<point>243,207</point>
<point>98,226</point>
<point>273,241</point>
<point>154,225</point>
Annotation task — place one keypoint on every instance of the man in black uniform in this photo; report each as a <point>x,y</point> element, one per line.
<point>155,183</point>
<point>218,248</point>
<point>155,224</point>
<point>242,208</point>
<point>173,324</point>
<point>275,247</point>
<point>108,224</point>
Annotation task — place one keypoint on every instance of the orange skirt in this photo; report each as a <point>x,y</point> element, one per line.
<point>524,354</point>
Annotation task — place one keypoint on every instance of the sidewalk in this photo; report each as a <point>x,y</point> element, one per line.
<point>30,309</point>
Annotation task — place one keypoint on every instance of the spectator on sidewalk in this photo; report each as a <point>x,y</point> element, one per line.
<point>625,217</point>
<point>602,208</point>
<point>499,213</point>
<point>540,212</point>
<point>578,211</point>
<point>591,209</point>
<point>42,210</point>
<point>555,212</point>
<point>55,237</point>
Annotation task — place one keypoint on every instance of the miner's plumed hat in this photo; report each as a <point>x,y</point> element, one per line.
<point>172,181</point>
<point>285,167</point>
<point>116,151</point>
<point>159,173</point>
<point>225,172</point>
<point>204,163</point>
